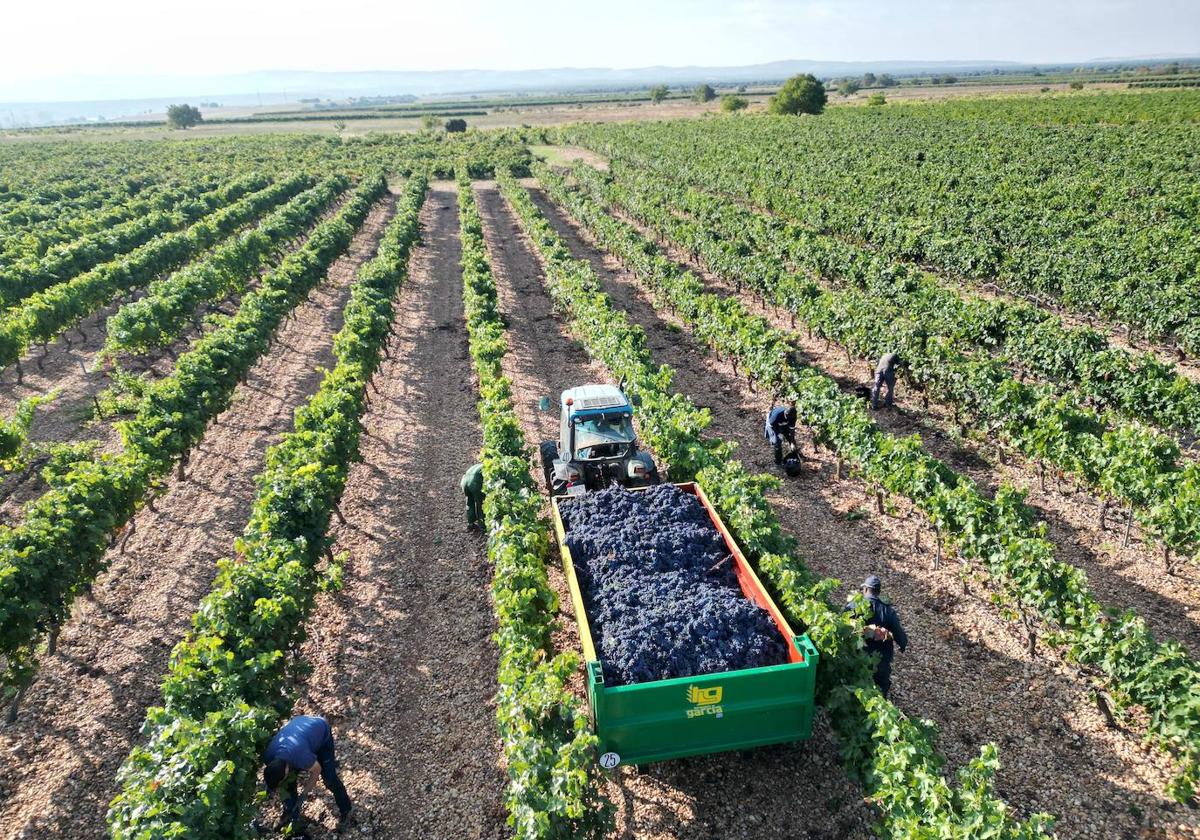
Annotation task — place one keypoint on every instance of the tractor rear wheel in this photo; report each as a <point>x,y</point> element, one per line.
<point>548,450</point>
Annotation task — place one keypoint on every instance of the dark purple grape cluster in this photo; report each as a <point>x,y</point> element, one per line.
<point>660,590</point>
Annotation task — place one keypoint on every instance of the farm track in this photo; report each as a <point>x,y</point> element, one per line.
<point>728,795</point>
<point>403,661</point>
<point>1120,576</point>
<point>86,705</point>
<point>966,669</point>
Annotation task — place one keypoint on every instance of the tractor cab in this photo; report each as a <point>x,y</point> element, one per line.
<point>597,444</point>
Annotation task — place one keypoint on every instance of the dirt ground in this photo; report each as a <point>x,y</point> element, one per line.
<point>87,703</point>
<point>966,668</point>
<point>567,155</point>
<point>404,666</point>
<point>796,790</point>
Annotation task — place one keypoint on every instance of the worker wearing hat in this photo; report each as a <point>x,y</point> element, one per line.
<point>882,632</point>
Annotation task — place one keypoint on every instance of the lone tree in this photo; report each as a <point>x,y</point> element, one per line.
<point>455,125</point>
<point>849,87</point>
<point>732,103</point>
<point>704,93</point>
<point>183,116</point>
<point>803,94</point>
<point>658,93</point>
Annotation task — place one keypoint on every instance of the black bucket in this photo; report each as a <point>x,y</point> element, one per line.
<point>791,464</point>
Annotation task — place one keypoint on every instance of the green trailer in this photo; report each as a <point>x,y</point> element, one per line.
<point>732,710</point>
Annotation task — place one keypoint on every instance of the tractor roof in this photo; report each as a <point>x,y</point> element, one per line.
<point>593,397</point>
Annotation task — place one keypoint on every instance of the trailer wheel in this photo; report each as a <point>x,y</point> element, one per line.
<point>548,450</point>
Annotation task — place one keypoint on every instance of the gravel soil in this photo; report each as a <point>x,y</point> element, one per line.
<point>403,663</point>
<point>966,668</point>
<point>83,712</point>
<point>795,790</point>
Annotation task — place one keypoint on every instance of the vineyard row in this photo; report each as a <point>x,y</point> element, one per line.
<point>890,755</point>
<point>998,534</point>
<point>52,556</point>
<point>227,687</point>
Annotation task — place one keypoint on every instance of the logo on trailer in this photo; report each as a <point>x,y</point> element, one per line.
<point>707,701</point>
<point>704,696</point>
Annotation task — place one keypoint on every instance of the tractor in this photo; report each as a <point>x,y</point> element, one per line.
<point>596,444</point>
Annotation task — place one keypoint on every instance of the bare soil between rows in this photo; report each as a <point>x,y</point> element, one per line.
<point>793,790</point>
<point>966,668</point>
<point>68,368</point>
<point>84,710</point>
<point>403,662</point>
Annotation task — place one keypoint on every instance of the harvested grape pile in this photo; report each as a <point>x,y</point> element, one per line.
<point>659,588</point>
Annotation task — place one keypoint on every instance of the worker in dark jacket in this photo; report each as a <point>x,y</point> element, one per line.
<point>781,426</point>
<point>885,374</point>
<point>303,747</point>
<point>882,632</point>
<point>472,487</point>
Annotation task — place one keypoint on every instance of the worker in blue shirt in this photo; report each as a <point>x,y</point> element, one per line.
<point>882,632</point>
<point>781,426</point>
<point>303,747</point>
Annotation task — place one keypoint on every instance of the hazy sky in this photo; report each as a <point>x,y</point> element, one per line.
<point>54,38</point>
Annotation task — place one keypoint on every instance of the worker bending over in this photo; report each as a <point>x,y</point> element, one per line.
<point>781,426</point>
<point>303,748</point>
<point>882,632</point>
<point>885,374</point>
<point>472,487</point>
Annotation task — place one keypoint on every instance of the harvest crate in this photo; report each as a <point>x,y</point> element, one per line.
<point>731,710</point>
